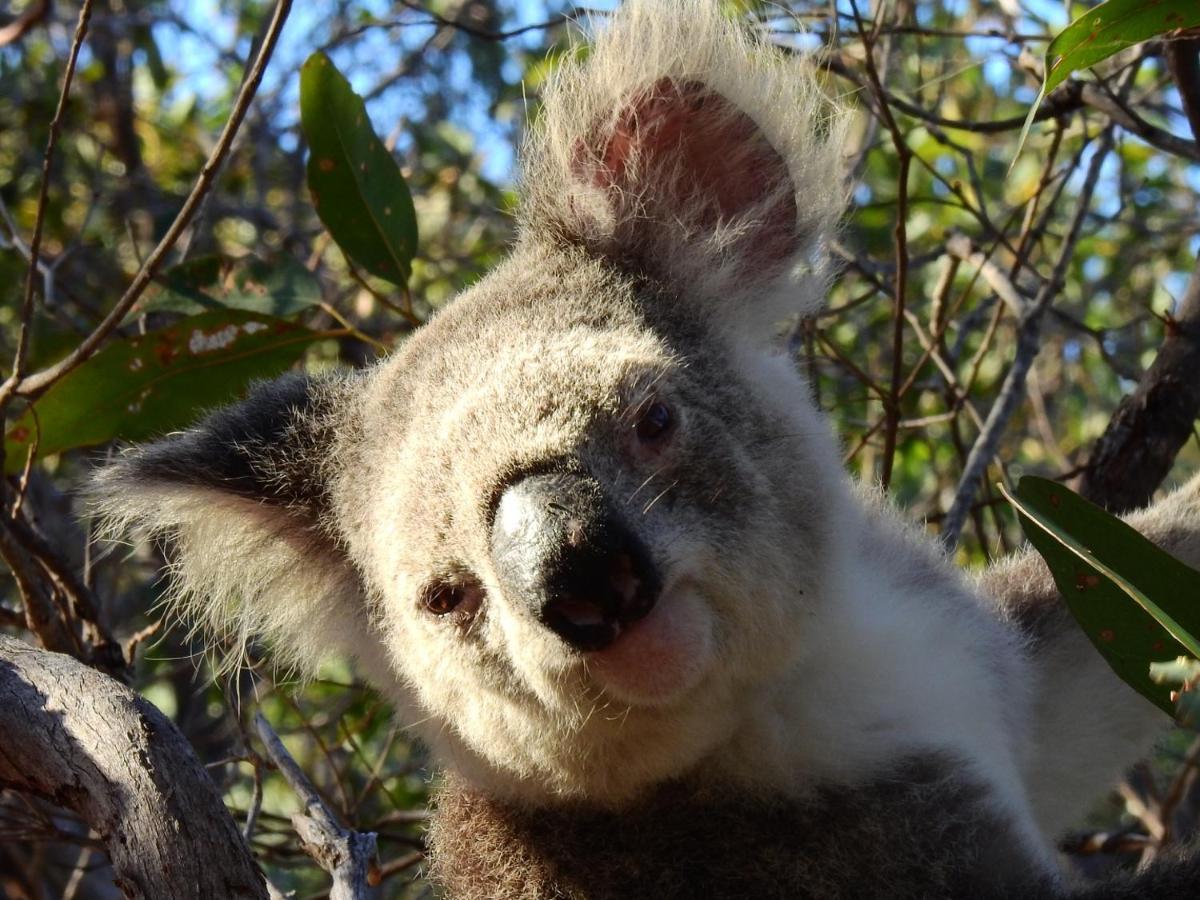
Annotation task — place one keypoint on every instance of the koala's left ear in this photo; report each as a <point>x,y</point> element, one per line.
<point>700,155</point>
<point>243,503</point>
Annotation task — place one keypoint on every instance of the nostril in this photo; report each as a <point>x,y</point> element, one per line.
<point>583,623</point>
<point>595,602</point>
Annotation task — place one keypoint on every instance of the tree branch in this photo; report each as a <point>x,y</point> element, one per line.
<point>13,31</point>
<point>35,242</point>
<point>33,385</point>
<point>348,855</point>
<point>1029,342</point>
<point>80,739</point>
<point>1183,61</point>
<point>1068,98</point>
<point>1138,448</point>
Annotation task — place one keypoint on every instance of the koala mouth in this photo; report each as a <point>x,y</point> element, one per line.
<point>596,608</point>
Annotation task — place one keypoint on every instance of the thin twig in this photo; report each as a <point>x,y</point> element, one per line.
<point>348,856</point>
<point>33,385</point>
<point>35,242</point>
<point>1028,345</point>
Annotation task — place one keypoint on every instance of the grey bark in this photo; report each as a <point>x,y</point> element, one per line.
<point>1150,425</point>
<point>347,855</point>
<point>1139,446</point>
<point>82,740</point>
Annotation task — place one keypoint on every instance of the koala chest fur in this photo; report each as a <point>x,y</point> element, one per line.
<point>587,529</point>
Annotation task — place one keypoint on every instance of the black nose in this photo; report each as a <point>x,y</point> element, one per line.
<point>562,553</point>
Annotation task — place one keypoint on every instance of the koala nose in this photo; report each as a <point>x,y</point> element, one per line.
<point>562,553</point>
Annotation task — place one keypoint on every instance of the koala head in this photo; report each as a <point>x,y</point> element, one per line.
<point>579,519</point>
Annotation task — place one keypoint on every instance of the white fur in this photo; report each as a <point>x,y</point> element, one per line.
<point>240,572</point>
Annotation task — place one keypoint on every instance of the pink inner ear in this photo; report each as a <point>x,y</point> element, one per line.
<point>689,155</point>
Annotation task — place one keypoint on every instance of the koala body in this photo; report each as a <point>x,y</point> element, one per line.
<point>589,534</point>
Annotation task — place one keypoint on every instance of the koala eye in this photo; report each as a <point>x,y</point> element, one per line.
<point>441,598</point>
<point>654,423</point>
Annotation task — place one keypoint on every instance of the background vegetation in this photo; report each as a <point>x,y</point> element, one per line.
<point>991,311</point>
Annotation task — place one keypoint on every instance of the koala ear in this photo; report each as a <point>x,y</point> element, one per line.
<point>700,156</point>
<point>681,156</point>
<point>243,504</point>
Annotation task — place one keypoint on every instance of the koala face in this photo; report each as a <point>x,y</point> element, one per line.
<point>583,546</point>
<point>578,521</point>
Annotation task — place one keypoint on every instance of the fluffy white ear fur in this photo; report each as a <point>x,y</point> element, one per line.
<point>701,155</point>
<point>241,504</point>
<point>241,571</point>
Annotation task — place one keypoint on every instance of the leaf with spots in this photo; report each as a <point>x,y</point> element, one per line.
<point>1111,27</point>
<point>1106,30</point>
<point>1136,602</point>
<point>355,183</point>
<point>146,385</point>
<point>278,287</point>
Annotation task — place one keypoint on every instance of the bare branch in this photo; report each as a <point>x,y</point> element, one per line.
<point>900,240</point>
<point>1138,448</point>
<point>1067,99</point>
<point>35,242</point>
<point>1029,342</point>
<point>1183,59</point>
<point>13,31</point>
<point>348,855</point>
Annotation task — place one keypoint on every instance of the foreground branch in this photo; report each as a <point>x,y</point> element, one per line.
<point>1150,425</point>
<point>79,739</point>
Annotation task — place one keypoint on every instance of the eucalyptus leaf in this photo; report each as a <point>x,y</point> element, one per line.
<point>355,183</point>
<point>144,386</point>
<point>275,288</point>
<point>1104,31</point>
<point>1136,602</point>
<point>1111,27</point>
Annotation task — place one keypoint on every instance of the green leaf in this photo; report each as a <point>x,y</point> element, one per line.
<point>1110,28</point>
<point>144,386</point>
<point>356,186</point>
<point>278,288</point>
<point>1101,32</point>
<point>1134,600</point>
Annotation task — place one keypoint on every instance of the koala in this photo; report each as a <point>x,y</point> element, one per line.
<point>589,534</point>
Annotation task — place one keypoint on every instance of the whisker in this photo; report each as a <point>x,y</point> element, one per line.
<point>661,494</point>
<point>649,478</point>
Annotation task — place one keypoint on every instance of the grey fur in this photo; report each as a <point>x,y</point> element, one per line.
<point>917,830</point>
<point>812,660</point>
